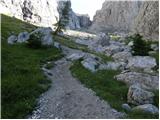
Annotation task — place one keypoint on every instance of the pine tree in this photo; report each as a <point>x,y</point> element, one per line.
<point>63,18</point>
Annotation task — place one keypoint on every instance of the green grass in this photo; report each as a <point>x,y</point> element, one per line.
<point>103,83</point>
<point>22,79</point>
<point>109,89</point>
<point>49,65</point>
<point>141,115</point>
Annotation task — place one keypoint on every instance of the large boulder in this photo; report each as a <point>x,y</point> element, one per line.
<point>112,49</point>
<point>147,108</point>
<point>139,96</point>
<point>102,39</point>
<point>75,56</point>
<point>23,37</point>
<point>122,56</point>
<point>12,39</point>
<point>146,80</point>
<point>141,62</point>
<point>91,64</point>
<point>46,35</point>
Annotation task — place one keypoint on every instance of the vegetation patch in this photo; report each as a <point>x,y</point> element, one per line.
<point>21,76</point>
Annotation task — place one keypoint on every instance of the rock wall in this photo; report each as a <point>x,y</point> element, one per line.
<point>84,20</point>
<point>128,16</point>
<point>40,12</point>
<point>147,21</point>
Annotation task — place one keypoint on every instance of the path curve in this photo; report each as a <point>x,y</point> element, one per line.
<point>68,98</point>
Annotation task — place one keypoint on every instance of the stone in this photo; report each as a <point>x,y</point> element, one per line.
<point>113,65</point>
<point>122,56</point>
<point>75,56</point>
<point>126,107</point>
<point>90,64</point>
<point>141,62</point>
<point>147,80</point>
<point>112,49</point>
<point>84,20</point>
<point>154,47</point>
<point>102,39</point>
<point>83,42</point>
<point>139,96</point>
<point>130,43</point>
<point>57,45</point>
<point>148,108</point>
<point>23,37</point>
<point>12,39</point>
<point>46,35</point>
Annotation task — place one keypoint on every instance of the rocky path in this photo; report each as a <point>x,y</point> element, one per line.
<point>68,98</point>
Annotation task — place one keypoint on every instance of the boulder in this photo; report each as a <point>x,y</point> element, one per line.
<point>90,64</point>
<point>23,37</point>
<point>12,39</point>
<point>46,35</point>
<point>141,62</point>
<point>126,107</point>
<point>57,45</point>
<point>130,78</point>
<point>112,49</point>
<point>130,43</point>
<point>148,108</point>
<point>122,56</point>
<point>139,96</point>
<point>102,39</point>
<point>154,47</point>
<point>75,56</point>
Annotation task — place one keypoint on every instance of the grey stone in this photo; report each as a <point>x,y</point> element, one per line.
<point>141,62</point>
<point>154,47</point>
<point>102,39</point>
<point>46,35</point>
<point>90,64</point>
<point>75,56</point>
<point>130,78</point>
<point>23,37</point>
<point>126,107</point>
<point>57,45</point>
<point>12,39</point>
<point>148,108</point>
<point>122,56</point>
<point>139,96</point>
<point>112,49</point>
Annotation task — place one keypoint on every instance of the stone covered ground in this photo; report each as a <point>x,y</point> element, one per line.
<point>68,98</point>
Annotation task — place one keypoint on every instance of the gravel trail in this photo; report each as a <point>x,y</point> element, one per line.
<point>68,98</point>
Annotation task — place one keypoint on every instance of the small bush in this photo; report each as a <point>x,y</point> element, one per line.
<point>140,46</point>
<point>35,41</point>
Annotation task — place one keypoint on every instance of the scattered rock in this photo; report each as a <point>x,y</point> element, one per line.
<point>126,107</point>
<point>12,39</point>
<point>141,62</point>
<point>154,47</point>
<point>130,43</point>
<point>23,37</point>
<point>122,56</point>
<point>112,49</point>
<point>148,108</point>
<point>139,96</point>
<point>90,64</point>
<point>75,56</point>
<point>102,39</point>
<point>57,45</point>
<point>83,42</point>
<point>130,78</point>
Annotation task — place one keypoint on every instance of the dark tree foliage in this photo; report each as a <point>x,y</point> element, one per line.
<point>140,46</point>
<point>63,18</point>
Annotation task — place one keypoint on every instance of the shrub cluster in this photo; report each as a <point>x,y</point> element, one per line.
<point>140,46</point>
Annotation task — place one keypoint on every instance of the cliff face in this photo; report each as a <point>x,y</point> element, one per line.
<point>147,21</point>
<point>128,16</point>
<point>40,12</point>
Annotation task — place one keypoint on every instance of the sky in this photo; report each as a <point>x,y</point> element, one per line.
<point>86,6</point>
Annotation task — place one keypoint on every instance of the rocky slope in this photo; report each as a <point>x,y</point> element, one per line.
<point>39,12</point>
<point>126,16</point>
